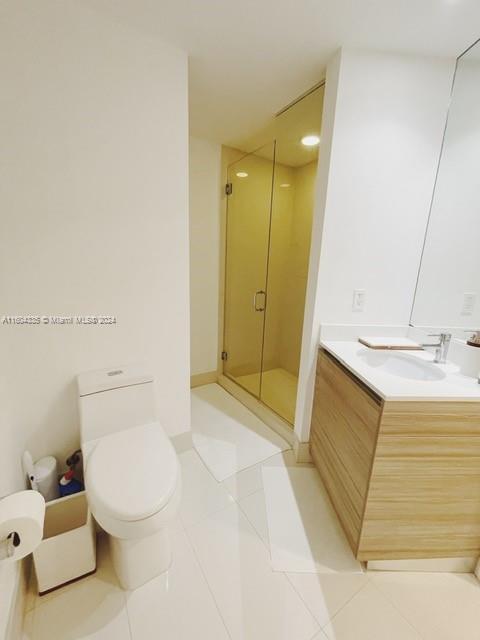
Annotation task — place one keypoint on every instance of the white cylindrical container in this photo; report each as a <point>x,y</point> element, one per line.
<point>46,478</point>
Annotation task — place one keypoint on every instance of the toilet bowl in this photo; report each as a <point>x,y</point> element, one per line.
<point>132,473</point>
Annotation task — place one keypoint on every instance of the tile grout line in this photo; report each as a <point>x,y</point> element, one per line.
<point>217,511</point>
<point>267,546</point>
<point>199,564</point>
<point>204,464</point>
<point>125,599</point>
<point>256,464</point>
<point>289,447</point>
<point>345,604</point>
<point>207,515</point>
<point>284,573</point>
<point>247,495</point>
<point>319,631</point>
<point>322,627</point>
<point>392,603</point>
<point>262,464</point>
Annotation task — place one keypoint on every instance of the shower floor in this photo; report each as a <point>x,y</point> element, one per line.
<point>279,390</point>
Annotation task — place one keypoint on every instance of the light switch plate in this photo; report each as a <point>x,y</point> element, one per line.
<point>469,300</point>
<point>358,303</point>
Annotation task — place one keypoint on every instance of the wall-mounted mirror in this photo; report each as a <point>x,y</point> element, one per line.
<point>448,289</point>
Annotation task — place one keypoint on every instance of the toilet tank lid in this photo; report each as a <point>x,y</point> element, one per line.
<point>112,378</point>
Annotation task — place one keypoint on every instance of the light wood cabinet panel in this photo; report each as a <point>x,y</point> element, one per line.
<point>343,435</point>
<point>431,418</point>
<point>424,493</point>
<point>422,507</point>
<point>404,477</point>
<point>347,505</point>
<point>413,447</point>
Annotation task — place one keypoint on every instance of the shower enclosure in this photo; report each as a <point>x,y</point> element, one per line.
<point>268,227</point>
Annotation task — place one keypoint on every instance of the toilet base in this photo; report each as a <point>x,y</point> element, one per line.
<point>139,560</point>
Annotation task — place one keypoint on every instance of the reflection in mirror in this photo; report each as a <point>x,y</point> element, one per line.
<point>448,289</point>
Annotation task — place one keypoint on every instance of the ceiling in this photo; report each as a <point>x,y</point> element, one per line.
<point>250,58</point>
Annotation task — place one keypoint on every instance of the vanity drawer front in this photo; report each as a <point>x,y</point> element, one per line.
<point>343,437</point>
<point>431,419</point>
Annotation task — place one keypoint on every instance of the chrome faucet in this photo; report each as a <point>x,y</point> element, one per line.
<point>441,347</point>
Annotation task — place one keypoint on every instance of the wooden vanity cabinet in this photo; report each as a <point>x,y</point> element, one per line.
<point>403,477</point>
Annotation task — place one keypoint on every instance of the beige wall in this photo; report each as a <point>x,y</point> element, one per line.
<point>11,479</point>
<point>279,259</point>
<point>205,190</point>
<point>94,219</point>
<point>296,273</point>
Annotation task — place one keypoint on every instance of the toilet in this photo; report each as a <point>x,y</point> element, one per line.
<point>132,473</point>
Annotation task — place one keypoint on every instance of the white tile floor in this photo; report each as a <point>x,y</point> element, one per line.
<point>221,585</point>
<point>304,533</point>
<point>226,435</point>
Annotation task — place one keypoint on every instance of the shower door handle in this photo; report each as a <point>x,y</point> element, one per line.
<point>255,305</point>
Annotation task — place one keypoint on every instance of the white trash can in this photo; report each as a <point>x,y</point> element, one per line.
<point>68,549</point>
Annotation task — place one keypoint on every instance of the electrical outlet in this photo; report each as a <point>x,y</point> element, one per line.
<point>469,300</point>
<point>358,303</point>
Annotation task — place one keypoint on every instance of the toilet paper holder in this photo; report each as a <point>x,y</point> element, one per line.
<point>22,516</point>
<point>8,545</point>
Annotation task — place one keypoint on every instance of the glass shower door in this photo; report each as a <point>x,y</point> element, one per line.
<point>250,181</point>
<point>269,226</point>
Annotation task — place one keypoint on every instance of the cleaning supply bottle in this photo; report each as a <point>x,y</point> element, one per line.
<point>68,484</point>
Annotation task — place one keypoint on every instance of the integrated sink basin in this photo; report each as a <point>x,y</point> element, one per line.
<point>401,365</point>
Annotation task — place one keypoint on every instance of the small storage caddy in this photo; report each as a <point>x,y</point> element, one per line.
<point>68,549</point>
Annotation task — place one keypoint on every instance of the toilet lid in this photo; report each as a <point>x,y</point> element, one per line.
<point>132,474</point>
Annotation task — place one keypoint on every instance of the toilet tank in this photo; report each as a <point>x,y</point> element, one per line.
<point>114,399</point>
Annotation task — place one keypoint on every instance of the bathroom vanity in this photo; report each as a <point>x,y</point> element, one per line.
<point>396,440</point>
<point>395,435</point>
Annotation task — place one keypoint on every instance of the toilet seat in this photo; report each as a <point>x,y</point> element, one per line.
<point>131,476</point>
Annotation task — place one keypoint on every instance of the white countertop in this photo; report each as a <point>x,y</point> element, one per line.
<point>454,386</point>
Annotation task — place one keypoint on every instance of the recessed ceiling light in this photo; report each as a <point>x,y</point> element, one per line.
<point>242,174</point>
<point>284,185</point>
<point>311,140</point>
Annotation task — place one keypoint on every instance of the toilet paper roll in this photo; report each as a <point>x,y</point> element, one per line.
<point>23,514</point>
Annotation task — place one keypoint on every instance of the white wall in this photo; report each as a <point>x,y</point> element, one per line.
<point>94,220</point>
<point>205,170</point>
<point>311,320</point>
<point>94,203</point>
<point>383,123</point>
